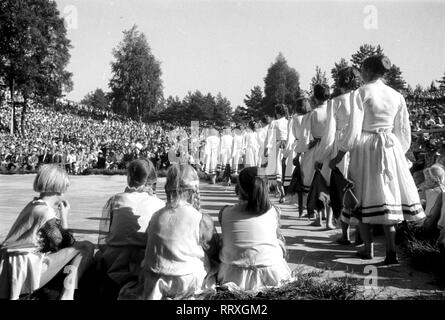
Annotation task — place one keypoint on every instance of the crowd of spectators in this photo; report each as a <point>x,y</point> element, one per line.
<point>427,116</point>
<point>80,140</point>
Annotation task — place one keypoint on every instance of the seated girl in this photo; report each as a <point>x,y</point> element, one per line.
<point>182,244</point>
<point>39,246</point>
<point>125,219</point>
<point>432,192</point>
<point>253,251</point>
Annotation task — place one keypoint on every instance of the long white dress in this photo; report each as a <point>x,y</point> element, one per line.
<point>316,127</point>
<point>289,153</point>
<point>251,148</point>
<point>212,152</point>
<point>277,132</point>
<point>262,134</point>
<point>225,150</point>
<point>300,130</point>
<point>378,136</point>
<point>338,114</point>
<point>237,150</point>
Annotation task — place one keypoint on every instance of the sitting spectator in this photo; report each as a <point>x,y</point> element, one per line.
<point>39,246</point>
<point>125,219</point>
<point>431,194</point>
<point>182,244</point>
<point>253,251</point>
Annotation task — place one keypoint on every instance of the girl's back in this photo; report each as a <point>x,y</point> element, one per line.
<point>173,245</point>
<point>381,104</point>
<point>249,239</point>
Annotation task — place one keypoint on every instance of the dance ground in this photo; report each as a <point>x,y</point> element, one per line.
<point>309,247</point>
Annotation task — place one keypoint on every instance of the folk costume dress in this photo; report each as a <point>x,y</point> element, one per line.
<point>225,149</point>
<point>378,136</point>
<point>212,152</point>
<point>261,136</point>
<point>289,153</point>
<point>252,255</point>
<point>275,144</point>
<point>251,148</point>
<point>338,114</point>
<point>237,150</point>
<point>300,130</point>
<point>316,127</point>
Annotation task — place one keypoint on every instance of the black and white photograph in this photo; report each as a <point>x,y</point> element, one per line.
<point>234,151</point>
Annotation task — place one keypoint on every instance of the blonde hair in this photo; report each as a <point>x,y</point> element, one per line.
<point>182,185</point>
<point>51,178</point>
<point>435,175</point>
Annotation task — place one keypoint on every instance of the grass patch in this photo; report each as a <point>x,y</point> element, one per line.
<point>304,286</point>
<point>422,251</point>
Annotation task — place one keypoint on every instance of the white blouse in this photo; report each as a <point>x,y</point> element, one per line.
<point>338,114</point>
<point>376,107</point>
<point>301,129</point>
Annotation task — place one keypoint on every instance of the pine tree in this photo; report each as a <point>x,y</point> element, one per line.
<point>254,103</point>
<point>394,79</point>
<point>319,78</point>
<point>281,85</point>
<point>432,87</point>
<point>364,52</point>
<point>335,70</point>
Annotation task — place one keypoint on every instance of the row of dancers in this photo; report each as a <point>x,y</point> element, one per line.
<point>361,134</point>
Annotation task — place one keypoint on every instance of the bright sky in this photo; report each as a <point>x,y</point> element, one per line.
<point>227,46</point>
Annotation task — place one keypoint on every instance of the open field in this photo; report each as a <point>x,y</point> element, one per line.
<point>308,246</point>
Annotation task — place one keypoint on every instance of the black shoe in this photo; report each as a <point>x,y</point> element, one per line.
<point>364,255</point>
<point>343,241</point>
<point>391,258</point>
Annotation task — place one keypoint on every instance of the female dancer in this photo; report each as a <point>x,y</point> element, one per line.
<point>226,154</point>
<point>251,146</point>
<point>262,134</point>
<point>338,113</point>
<point>300,119</point>
<point>378,137</point>
<point>237,149</point>
<point>289,153</point>
<point>212,154</point>
<point>316,128</point>
<point>274,149</point>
